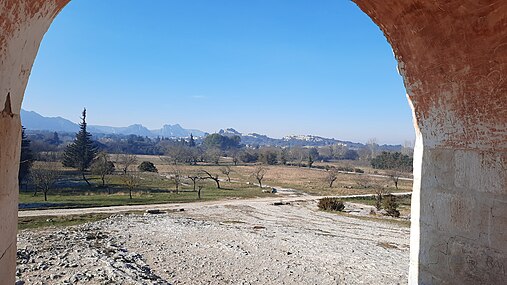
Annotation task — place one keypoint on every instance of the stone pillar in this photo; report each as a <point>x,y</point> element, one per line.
<point>23,23</point>
<point>10,133</point>
<point>452,55</point>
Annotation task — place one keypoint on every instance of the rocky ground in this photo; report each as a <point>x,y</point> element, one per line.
<point>251,242</point>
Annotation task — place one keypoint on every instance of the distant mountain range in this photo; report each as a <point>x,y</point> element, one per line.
<point>36,122</point>
<point>33,121</point>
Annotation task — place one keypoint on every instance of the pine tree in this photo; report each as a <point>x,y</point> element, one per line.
<point>26,158</point>
<point>81,152</point>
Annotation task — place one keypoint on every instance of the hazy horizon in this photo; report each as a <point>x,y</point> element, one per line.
<point>224,128</point>
<point>284,68</point>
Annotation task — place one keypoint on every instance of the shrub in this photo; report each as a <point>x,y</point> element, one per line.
<point>248,157</point>
<point>391,206</point>
<point>331,204</point>
<point>345,168</point>
<point>358,170</point>
<point>392,160</point>
<point>147,166</point>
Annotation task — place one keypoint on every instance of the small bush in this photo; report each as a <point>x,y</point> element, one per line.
<point>358,170</point>
<point>345,168</point>
<point>331,204</point>
<point>147,166</point>
<point>391,206</point>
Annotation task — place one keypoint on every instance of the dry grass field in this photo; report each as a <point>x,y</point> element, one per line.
<point>71,190</point>
<point>303,179</point>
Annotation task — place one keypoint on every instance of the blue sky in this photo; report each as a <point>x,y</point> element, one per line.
<point>272,67</point>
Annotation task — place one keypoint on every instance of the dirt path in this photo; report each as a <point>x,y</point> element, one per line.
<point>223,242</point>
<point>176,206</point>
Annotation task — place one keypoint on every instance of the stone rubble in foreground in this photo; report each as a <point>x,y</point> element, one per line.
<point>255,243</point>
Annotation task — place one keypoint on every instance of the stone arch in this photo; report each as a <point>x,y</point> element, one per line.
<point>452,55</point>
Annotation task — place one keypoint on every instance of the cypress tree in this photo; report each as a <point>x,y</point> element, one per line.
<point>81,152</point>
<point>191,142</point>
<point>55,140</point>
<point>26,158</point>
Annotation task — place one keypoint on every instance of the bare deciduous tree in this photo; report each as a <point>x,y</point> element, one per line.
<point>213,155</point>
<point>226,170</point>
<point>235,157</point>
<point>179,153</point>
<point>212,177</point>
<point>176,177</point>
<point>132,180</point>
<point>372,147</point>
<point>298,154</point>
<point>102,166</point>
<point>125,161</point>
<point>331,176</point>
<point>394,176</point>
<point>195,178</point>
<point>259,173</point>
<point>44,175</point>
<point>408,148</point>
<point>364,181</point>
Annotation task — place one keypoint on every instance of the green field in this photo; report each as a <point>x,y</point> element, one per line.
<point>71,190</point>
<point>151,192</point>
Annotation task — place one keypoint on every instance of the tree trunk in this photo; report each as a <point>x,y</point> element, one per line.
<point>260,183</point>
<point>45,195</point>
<point>378,202</point>
<point>177,187</point>
<point>218,183</point>
<point>103,181</point>
<point>130,193</point>
<point>86,180</point>
<point>199,194</point>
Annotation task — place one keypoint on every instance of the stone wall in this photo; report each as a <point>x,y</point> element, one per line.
<point>453,58</point>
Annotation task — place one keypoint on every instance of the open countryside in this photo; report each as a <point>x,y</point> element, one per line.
<point>253,142</point>
<point>244,195</point>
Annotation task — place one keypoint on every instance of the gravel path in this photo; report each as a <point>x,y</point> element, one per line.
<point>252,242</point>
<point>175,206</point>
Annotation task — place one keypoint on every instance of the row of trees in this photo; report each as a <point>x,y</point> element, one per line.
<point>395,163</point>
<point>300,156</point>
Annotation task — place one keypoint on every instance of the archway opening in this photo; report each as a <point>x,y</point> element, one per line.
<point>451,55</point>
<point>227,69</point>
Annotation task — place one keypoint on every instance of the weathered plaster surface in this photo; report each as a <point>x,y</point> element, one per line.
<point>9,163</point>
<point>23,23</point>
<point>453,58</point>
